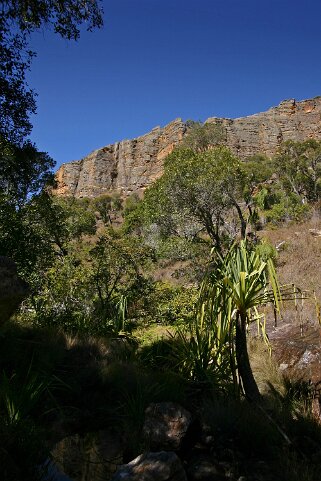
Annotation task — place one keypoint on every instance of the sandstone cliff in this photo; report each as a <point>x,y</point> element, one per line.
<point>131,165</point>
<point>125,167</point>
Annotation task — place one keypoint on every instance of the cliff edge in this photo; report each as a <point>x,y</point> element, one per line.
<point>131,165</point>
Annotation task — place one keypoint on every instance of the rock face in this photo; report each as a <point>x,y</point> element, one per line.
<point>131,165</point>
<point>125,167</point>
<point>264,132</point>
<point>12,289</point>
<point>298,351</point>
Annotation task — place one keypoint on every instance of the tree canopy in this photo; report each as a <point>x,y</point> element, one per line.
<point>24,171</point>
<point>298,165</point>
<point>201,136</point>
<point>18,19</point>
<point>65,16</point>
<point>199,192</point>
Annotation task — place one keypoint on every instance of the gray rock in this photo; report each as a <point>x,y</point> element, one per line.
<point>94,456</point>
<point>298,351</point>
<point>202,469</point>
<point>125,167</point>
<point>165,426</point>
<point>131,165</point>
<point>160,466</point>
<point>12,289</point>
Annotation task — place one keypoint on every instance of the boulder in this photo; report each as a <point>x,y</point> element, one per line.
<point>159,466</point>
<point>165,426</point>
<point>297,351</point>
<point>12,289</point>
<point>203,468</point>
<point>93,456</point>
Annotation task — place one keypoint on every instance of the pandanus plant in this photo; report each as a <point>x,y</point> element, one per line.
<point>235,287</point>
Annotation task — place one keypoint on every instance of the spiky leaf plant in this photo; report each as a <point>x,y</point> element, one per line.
<point>236,286</point>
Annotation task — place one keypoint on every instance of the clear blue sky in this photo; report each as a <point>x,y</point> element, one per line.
<point>156,60</point>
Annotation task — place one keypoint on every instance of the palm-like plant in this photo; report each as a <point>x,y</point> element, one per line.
<point>235,286</point>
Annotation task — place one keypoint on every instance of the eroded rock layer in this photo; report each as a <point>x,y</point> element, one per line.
<point>125,167</point>
<point>131,165</point>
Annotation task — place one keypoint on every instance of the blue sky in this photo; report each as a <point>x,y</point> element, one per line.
<point>156,60</point>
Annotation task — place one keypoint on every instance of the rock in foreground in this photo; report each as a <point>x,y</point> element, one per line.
<point>161,466</point>
<point>165,426</point>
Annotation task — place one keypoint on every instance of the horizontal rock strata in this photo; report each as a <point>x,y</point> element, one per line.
<point>132,165</point>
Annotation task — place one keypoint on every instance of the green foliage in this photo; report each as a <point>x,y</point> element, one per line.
<point>203,136</point>
<point>284,208</point>
<point>65,18</point>
<point>42,227</point>
<point>18,19</point>
<point>64,294</point>
<point>197,193</point>
<point>23,171</point>
<point>236,285</point>
<point>134,215</point>
<point>131,203</point>
<point>94,287</point>
<point>176,248</point>
<point>18,396</point>
<point>258,170</point>
<point>17,101</point>
<point>107,206</point>
<point>116,271</point>
<point>168,304</point>
<point>298,165</point>
<point>266,250</point>
<point>257,174</point>
<point>202,356</point>
<point>73,217</point>
<point>281,189</point>
<point>23,236</point>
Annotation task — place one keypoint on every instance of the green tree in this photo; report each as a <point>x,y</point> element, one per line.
<point>23,170</point>
<point>199,192</point>
<point>19,19</point>
<point>93,287</point>
<point>201,136</point>
<point>268,193</point>
<point>17,101</point>
<point>298,166</point>
<point>117,272</point>
<point>23,173</point>
<point>41,229</point>
<point>236,286</point>
<point>107,207</point>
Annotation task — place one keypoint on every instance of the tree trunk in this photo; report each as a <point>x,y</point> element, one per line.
<point>241,217</point>
<point>251,390</point>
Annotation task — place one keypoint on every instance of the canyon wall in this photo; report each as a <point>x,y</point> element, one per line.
<point>131,165</point>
